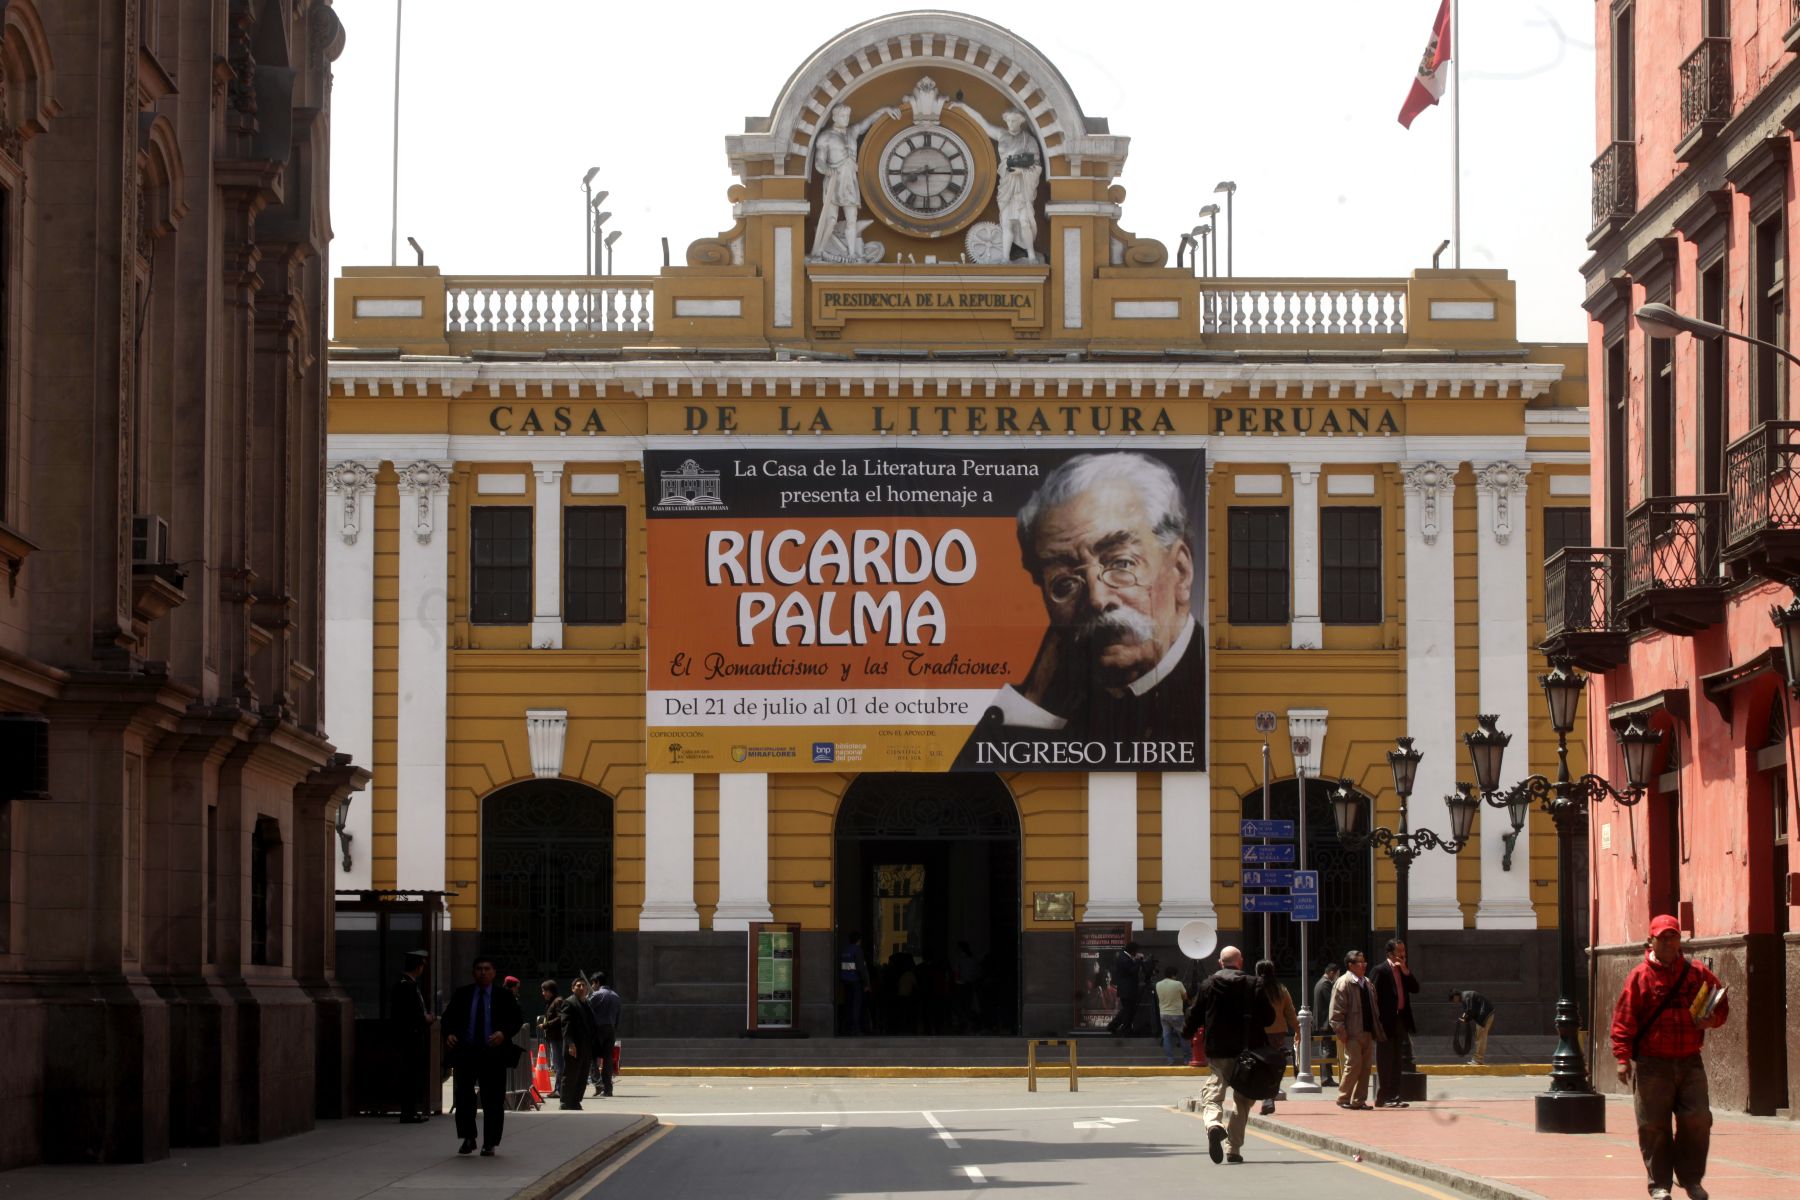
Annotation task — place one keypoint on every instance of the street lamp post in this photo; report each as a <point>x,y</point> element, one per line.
<point>587,207</point>
<point>1571,1105</point>
<point>1230,190</point>
<point>610,239</point>
<point>1402,846</point>
<point>1662,321</point>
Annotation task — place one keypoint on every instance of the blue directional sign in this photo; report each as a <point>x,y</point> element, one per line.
<point>1266,829</point>
<point>1269,904</point>
<point>1304,881</point>
<point>1305,906</point>
<point>1270,878</point>
<point>1280,852</point>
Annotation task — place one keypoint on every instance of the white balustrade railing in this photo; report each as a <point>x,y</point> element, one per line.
<point>1274,308</point>
<point>581,304</point>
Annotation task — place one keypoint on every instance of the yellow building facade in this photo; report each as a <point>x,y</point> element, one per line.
<point>518,464</point>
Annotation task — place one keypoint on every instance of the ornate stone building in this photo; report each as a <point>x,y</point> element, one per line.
<point>539,486</point>
<point>167,791</point>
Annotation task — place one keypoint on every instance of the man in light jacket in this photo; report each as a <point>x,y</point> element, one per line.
<point>1357,1027</point>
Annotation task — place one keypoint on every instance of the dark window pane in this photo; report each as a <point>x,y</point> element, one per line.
<point>1258,540</point>
<point>1564,527</point>
<point>1350,565</point>
<point>500,565</point>
<point>593,565</point>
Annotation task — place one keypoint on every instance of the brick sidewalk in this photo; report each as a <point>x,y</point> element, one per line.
<point>1493,1140</point>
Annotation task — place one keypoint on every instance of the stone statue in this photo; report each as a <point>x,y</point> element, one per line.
<point>834,155</point>
<point>1021,170</point>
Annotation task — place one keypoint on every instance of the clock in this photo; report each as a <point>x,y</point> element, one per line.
<point>925,170</point>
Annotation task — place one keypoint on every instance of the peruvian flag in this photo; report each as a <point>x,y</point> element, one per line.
<point>1434,69</point>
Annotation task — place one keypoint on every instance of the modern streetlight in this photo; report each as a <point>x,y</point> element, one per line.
<point>587,206</point>
<point>1571,1105</point>
<point>1230,190</point>
<point>610,239</point>
<point>1210,214</point>
<point>1660,320</point>
<point>1402,846</point>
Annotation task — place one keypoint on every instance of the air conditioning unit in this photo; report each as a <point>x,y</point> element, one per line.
<point>149,539</point>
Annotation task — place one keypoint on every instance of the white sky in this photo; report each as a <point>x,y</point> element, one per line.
<point>504,107</point>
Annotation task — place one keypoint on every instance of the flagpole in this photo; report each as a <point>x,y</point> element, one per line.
<point>394,180</point>
<point>1455,136</point>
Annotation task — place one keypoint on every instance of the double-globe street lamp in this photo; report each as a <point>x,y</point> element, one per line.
<point>1402,846</point>
<point>1571,1105</point>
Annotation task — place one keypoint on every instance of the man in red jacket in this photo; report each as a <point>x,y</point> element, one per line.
<point>1655,1025</point>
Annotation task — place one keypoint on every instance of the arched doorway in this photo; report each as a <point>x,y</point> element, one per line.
<point>546,881</point>
<point>1346,888</point>
<point>924,864</point>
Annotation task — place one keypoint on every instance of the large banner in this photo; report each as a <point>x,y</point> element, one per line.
<point>926,610</point>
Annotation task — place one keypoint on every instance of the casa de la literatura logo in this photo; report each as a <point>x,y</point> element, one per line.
<point>925,610</point>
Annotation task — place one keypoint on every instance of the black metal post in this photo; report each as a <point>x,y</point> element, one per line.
<point>1571,1105</point>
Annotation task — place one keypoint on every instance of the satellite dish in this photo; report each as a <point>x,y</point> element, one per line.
<point>1197,939</point>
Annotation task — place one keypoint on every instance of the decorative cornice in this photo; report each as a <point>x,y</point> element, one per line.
<point>351,480</point>
<point>1502,480</point>
<point>423,479</point>
<point>1431,482</point>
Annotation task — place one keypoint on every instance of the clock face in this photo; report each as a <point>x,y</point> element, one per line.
<point>925,170</point>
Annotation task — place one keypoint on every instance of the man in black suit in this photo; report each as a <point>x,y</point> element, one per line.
<point>1394,989</point>
<point>1127,973</point>
<point>410,1019</point>
<point>578,1045</point>
<point>606,1006</point>
<point>1106,539</point>
<point>477,1024</point>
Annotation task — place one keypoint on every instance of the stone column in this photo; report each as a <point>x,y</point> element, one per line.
<point>669,854</point>
<point>1112,849</point>
<point>743,851</point>
<point>1431,679</point>
<point>1307,632</point>
<point>1505,690</point>
<point>1186,850</point>
<point>546,558</point>
<point>350,643</point>
<point>424,638</point>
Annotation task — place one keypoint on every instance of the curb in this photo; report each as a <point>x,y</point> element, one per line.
<point>562,1178</point>
<point>1470,1185</point>
<point>1054,1071</point>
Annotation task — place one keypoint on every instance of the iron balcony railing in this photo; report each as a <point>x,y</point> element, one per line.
<point>1673,544</point>
<point>1706,85</point>
<point>1615,183</point>
<point>1762,480</point>
<point>1580,584</point>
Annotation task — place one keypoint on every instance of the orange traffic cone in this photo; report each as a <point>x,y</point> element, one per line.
<point>540,1074</point>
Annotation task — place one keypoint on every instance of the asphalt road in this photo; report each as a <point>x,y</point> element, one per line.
<point>813,1139</point>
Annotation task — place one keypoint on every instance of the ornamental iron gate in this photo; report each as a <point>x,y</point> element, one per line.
<point>1346,889</point>
<point>546,881</point>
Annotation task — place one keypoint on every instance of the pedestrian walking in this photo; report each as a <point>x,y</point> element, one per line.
<point>1171,1011</point>
<point>411,1020</point>
<point>578,1046</point>
<point>1477,1017</point>
<point>1127,968</point>
<point>1321,1016</point>
<point>1659,1025</point>
<point>1394,985</point>
<point>1234,1012</point>
<point>550,1025</point>
<point>476,1023</point>
<point>853,975</point>
<point>1357,1027</point>
<point>1285,1027</point>
<point>606,1006</point>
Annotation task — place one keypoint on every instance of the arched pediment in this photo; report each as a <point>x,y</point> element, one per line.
<point>160,155</point>
<point>26,102</point>
<point>941,41</point>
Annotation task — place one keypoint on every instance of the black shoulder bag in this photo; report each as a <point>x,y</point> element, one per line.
<point>1668,998</point>
<point>1257,1073</point>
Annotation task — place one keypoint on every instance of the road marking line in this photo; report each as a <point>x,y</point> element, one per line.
<point>943,1134</point>
<point>619,1160</point>
<point>974,1174</point>
<point>901,1112</point>
<point>1365,1168</point>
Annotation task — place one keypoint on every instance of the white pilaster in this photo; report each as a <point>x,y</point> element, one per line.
<point>1186,850</point>
<point>784,277</point>
<point>350,644</point>
<point>1431,679</point>
<point>424,639</point>
<point>669,854</point>
<point>1505,692</point>
<point>1306,630</point>
<point>1112,849</point>
<point>1073,273</point>
<point>546,557</point>
<point>743,851</point>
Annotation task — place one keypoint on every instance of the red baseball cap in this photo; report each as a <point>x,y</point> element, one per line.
<point>510,981</point>
<point>1664,924</point>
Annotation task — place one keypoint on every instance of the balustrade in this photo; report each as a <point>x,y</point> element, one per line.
<point>1706,86</point>
<point>1615,184</point>
<point>1300,308</point>
<point>581,304</point>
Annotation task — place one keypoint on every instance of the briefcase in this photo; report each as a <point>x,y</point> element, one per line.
<point>1257,1073</point>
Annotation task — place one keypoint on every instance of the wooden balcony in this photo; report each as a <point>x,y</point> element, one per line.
<point>1705,96</point>
<point>1762,500</point>
<point>1615,188</point>
<point>1581,614</point>
<point>1672,563</point>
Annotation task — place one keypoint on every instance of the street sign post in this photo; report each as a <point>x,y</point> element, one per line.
<point>1279,852</point>
<point>1269,878</point>
<point>1274,830</point>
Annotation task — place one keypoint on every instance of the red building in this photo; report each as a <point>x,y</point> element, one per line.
<point>1696,480</point>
